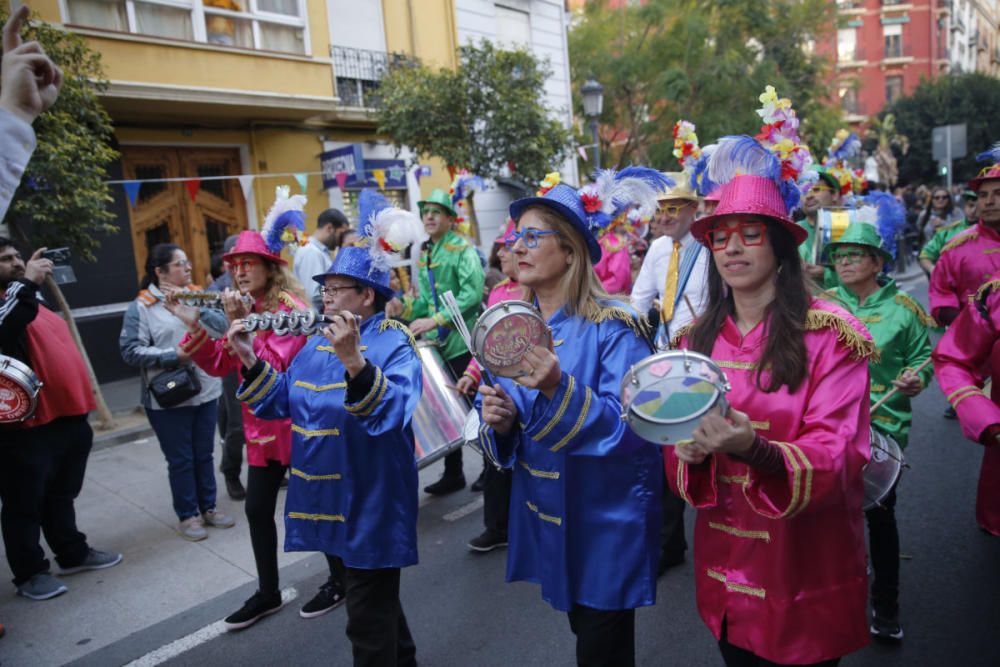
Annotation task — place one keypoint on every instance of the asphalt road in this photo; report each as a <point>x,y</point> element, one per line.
<point>462,613</point>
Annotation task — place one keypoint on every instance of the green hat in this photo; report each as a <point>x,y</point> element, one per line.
<point>860,233</point>
<point>825,174</point>
<point>442,199</point>
<point>969,195</point>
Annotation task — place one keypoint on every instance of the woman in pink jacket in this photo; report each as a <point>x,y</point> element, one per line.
<point>779,543</point>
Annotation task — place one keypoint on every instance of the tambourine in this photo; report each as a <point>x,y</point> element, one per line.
<point>19,388</point>
<point>883,469</point>
<point>504,333</point>
<point>665,395</point>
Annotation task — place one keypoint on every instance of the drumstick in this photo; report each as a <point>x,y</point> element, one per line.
<point>895,390</point>
<point>690,307</point>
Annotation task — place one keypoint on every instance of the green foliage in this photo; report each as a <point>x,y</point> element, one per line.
<point>948,100</point>
<point>62,199</point>
<point>484,116</point>
<point>704,61</point>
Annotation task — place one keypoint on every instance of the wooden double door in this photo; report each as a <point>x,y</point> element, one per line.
<point>165,212</point>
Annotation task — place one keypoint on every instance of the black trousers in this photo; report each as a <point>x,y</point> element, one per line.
<point>883,542</point>
<point>603,638</point>
<point>496,498</point>
<point>40,477</point>
<point>231,427</point>
<point>453,461</point>
<point>376,624</point>
<point>673,543</point>
<point>740,657</point>
<point>263,483</point>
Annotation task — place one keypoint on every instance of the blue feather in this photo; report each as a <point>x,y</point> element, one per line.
<point>850,146</point>
<point>293,218</point>
<point>657,179</point>
<point>790,193</point>
<point>370,202</point>
<point>891,217</point>
<point>992,155</point>
<point>742,155</point>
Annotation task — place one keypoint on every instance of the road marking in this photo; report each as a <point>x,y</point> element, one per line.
<point>464,510</point>
<point>195,639</point>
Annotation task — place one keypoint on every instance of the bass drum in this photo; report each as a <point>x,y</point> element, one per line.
<point>19,388</point>
<point>441,412</point>
<point>883,469</point>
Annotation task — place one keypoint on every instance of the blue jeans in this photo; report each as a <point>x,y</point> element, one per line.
<point>187,439</point>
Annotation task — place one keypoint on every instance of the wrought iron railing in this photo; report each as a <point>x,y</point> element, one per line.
<point>359,73</point>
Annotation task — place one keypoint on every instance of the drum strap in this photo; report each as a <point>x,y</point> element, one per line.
<point>442,332</point>
<point>689,257</point>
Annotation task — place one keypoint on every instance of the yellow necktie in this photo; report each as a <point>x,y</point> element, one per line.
<point>670,290</point>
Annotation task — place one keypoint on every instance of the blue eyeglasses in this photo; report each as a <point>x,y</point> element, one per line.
<point>530,236</point>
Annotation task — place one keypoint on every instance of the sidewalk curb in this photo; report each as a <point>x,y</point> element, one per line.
<point>122,437</point>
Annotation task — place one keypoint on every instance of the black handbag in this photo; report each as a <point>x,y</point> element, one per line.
<point>172,388</point>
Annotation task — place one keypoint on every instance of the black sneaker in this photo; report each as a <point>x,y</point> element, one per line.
<point>254,609</point>
<point>329,597</point>
<point>234,487</point>
<point>479,484</point>
<point>949,413</point>
<point>885,624</point>
<point>488,541</point>
<point>447,484</point>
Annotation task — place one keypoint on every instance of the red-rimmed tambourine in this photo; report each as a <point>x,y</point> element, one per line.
<point>504,334</point>
<point>19,388</point>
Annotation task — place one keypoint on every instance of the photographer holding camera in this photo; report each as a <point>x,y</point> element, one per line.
<point>44,458</point>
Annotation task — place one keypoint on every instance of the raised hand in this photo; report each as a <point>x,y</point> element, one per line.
<point>31,81</point>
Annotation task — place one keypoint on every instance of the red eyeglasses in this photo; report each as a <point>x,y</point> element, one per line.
<point>751,234</point>
<point>244,264</point>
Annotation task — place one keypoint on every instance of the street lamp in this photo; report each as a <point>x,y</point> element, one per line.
<point>593,104</point>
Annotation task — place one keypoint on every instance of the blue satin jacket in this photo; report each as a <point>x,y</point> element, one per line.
<point>352,491</point>
<point>586,500</point>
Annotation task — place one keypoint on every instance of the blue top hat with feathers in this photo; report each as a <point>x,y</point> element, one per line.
<point>594,206</point>
<point>383,231</point>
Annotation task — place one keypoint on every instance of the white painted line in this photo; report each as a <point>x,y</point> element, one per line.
<point>464,510</point>
<point>193,640</point>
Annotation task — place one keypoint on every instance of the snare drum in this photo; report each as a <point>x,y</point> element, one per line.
<point>504,334</point>
<point>666,394</point>
<point>883,469</point>
<point>19,388</point>
<point>441,412</point>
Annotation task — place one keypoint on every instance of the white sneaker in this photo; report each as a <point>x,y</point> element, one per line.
<point>193,529</point>
<point>218,519</point>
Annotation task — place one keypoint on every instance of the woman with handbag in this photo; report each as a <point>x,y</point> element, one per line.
<point>180,399</point>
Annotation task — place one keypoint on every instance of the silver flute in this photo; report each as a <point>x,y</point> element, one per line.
<point>288,323</point>
<point>209,299</point>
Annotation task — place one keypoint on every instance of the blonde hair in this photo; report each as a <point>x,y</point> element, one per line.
<point>280,280</point>
<point>580,285</point>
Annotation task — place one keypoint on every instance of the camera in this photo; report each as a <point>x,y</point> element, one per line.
<point>62,272</point>
<point>57,255</point>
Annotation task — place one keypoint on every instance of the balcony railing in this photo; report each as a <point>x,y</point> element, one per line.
<point>850,4</point>
<point>897,52</point>
<point>856,55</point>
<point>359,73</point>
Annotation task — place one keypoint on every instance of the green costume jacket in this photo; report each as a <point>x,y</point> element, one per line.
<point>899,326</point>
<point>456,268</point>
<point>932,249</point>
<point>830,279</point>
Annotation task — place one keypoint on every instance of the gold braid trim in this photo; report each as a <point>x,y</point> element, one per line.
<point>860,347</point>
<point>986,288</point>
<point>387,324</point>
<point>675,340</point>
<point>285,298</point>
<point>959,240</point>
<point>907,301</point>
<point>600,314</point>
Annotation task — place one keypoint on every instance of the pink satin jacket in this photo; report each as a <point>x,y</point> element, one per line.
<point>267,440</point>
<point>782,557</point>
<point>966,262</point>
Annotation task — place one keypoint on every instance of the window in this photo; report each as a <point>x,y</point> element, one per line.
<point>849,100</point>
<point>847,45</point>
<point>893,35</point>
<point>513,27</point>
<point>893,88</point>
<point>273,25</point>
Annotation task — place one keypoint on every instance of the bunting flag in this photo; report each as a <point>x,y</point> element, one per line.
<point>193,185</point>
<point>341,177</point>
<point>379,176</point>
<point>396,173</point>
<point>583,152</point>
<point>303,179</point>
<point>245,183</point>
<point>132,190</point>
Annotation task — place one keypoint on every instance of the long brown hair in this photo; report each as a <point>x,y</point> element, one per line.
<point>580,285</point>
<point>279,280</point>
<point>784,353</point>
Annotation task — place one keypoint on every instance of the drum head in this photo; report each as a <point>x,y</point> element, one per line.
<point>663,392</point>
<point>883,469</point>
<point>506,337</point>
<point>18,391</point>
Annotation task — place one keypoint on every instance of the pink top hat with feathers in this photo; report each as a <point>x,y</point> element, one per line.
<point>287,214</point>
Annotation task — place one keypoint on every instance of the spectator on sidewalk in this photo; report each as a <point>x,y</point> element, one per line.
<point>230,410</point>
<point>314,257</point>
<point>44,457</point>
<point>150,340</point>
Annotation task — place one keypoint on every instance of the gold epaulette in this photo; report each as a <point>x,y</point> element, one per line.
<point>147,297</point>
<point>860,347</point>
<point>600,314</point>
<point>387,324</point>
<point>503,282</point>
<point>907,301</point>
<point>286,298</point>
<point>457,247</point>
<point>675,340</point>
<point>986,289</point>
<point>951,225</point>
<point>959,240</point>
